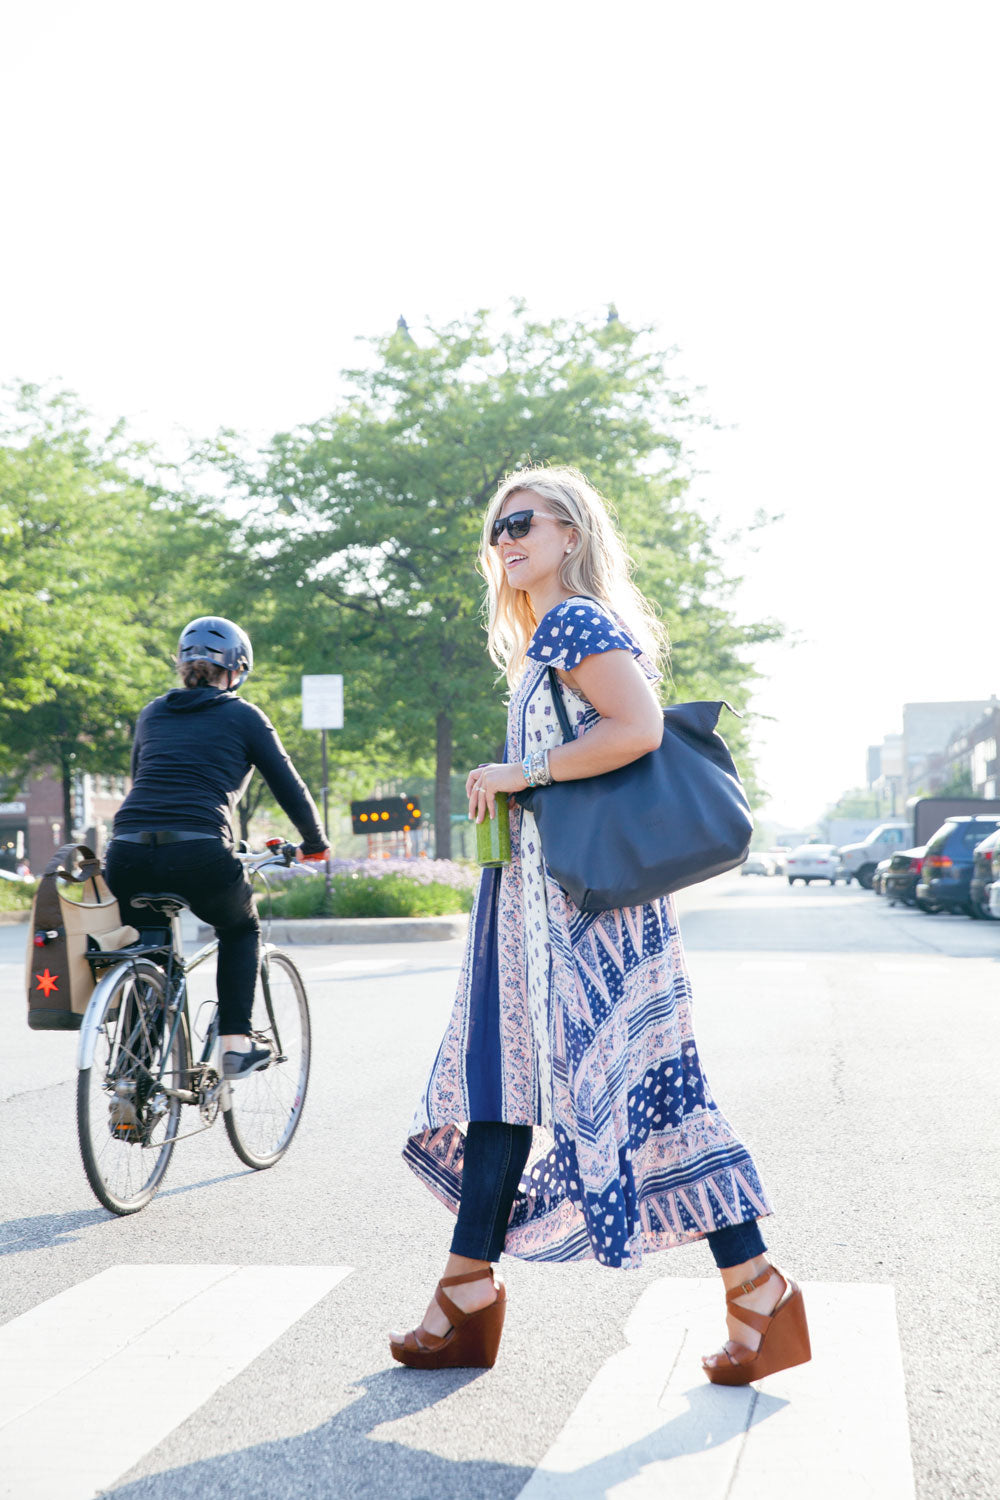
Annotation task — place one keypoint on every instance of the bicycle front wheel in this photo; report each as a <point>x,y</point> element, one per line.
<point>127,1122</point>
<point>265,1108</point>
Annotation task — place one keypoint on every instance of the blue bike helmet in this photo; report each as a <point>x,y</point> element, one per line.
<point>211,638</point>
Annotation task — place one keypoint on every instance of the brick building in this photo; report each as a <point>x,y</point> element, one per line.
<point>31,816</point>
<point>972,751</point>
<point>928,729</point>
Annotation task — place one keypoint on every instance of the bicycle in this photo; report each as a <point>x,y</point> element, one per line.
<point>135,1057</point>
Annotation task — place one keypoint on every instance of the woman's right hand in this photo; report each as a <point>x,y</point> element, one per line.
<point>482,785</point>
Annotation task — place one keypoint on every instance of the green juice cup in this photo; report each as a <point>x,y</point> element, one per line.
<point>493,835</point>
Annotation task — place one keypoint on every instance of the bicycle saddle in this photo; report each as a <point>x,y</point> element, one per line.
<point>165,902</point>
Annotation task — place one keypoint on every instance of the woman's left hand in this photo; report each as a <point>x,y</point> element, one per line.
<point>482,785</point>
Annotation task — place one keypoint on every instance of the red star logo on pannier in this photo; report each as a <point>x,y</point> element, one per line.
<point>46,983</point>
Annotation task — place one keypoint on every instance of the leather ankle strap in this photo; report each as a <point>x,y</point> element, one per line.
<point>745,1287</point>
<point>467,1276</point>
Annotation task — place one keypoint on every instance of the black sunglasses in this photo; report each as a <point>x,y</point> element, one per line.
<point>517,524</point>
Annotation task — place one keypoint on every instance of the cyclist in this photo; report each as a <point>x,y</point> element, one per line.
<point>194,752</point>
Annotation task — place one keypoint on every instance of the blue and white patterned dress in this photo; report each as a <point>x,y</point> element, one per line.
<point>580,1025</point>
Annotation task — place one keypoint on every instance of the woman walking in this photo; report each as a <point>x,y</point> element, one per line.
<point>572,1029</point>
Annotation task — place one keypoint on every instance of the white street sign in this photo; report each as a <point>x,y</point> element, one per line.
<point>323,702</point>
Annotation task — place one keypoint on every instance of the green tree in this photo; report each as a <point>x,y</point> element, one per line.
<point>959,784</point>
<point>367,524</point>
<point>98,561</point>
<point>856,804</point>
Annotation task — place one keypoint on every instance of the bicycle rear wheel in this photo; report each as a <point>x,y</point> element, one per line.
<point>265,1108</point>
<point>127,1123</point>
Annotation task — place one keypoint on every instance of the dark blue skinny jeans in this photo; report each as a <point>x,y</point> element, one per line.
<point>495,1157</point>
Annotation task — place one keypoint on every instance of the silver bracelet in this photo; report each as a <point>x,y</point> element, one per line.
<point>540,773</point>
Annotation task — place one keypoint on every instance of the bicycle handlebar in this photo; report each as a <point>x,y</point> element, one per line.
<point>278,852</point>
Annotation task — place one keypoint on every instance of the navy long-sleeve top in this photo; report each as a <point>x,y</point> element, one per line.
<point>194,752</point>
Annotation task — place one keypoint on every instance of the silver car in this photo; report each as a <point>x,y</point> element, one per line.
<point>814,862</point>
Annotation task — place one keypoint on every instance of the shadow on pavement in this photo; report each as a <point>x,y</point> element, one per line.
<point>344,1461</point>
<point>42,1231</point>
<point>192,1187</point>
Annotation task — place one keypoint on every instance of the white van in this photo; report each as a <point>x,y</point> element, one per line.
<point>859,860</point>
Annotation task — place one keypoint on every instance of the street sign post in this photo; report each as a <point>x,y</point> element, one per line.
<point>323,709</point>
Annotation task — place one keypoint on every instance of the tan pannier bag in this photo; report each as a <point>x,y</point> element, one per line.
<point>59,979</point>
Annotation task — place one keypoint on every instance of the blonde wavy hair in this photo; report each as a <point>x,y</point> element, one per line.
<point>598,565</point>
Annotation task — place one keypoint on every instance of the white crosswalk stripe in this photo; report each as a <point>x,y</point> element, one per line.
<point>81,1366</point>
<point>347,966</point>
<point>773,966</point>
<point>650,1425</point>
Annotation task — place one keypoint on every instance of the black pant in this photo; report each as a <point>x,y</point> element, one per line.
<point>211,880</point>
<point>495,1157</point>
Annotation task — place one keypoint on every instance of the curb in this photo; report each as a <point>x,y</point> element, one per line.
<point>10,918</point>
<point>360,930</point>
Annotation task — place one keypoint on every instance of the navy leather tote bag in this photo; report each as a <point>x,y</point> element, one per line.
<point>675,816</point>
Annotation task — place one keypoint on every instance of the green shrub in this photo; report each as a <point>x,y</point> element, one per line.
<point>17,897</point>
<point>365,896</point>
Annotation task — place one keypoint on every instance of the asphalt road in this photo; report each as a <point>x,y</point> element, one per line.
<point>854,1045</point>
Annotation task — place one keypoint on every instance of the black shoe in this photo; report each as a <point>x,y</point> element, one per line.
<point>239,1064</point>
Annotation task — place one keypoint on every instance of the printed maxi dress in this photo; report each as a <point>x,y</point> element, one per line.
<point>580,1024</point>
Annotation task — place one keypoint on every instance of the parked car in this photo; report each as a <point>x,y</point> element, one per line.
<point>878,879</point>
<point>814,862</point>
<point>861,860</point>
<point>946,869</point>
<point>993,889</point>
<point>900,880</point>
<point>983,857</point>
<point>758,864</point>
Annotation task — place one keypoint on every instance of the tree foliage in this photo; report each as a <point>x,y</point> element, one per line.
<point>97,565</point>
<point>366,524</point>
<point>855,803</point>
<point>347,545</point>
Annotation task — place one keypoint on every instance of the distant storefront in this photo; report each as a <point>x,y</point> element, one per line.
<point>32,826</point>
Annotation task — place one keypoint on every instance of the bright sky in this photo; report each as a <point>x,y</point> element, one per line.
<point>206,203</point>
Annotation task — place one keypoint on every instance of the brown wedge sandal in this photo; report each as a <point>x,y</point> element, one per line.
<point>473,1340</point>
<point>784,1335</point>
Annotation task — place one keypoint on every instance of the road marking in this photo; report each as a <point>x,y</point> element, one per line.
<point>922,969</point>
<point>94,1378</point>
<point>650,1425</point>
<point>362,965</point>
<point>773,965</point>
